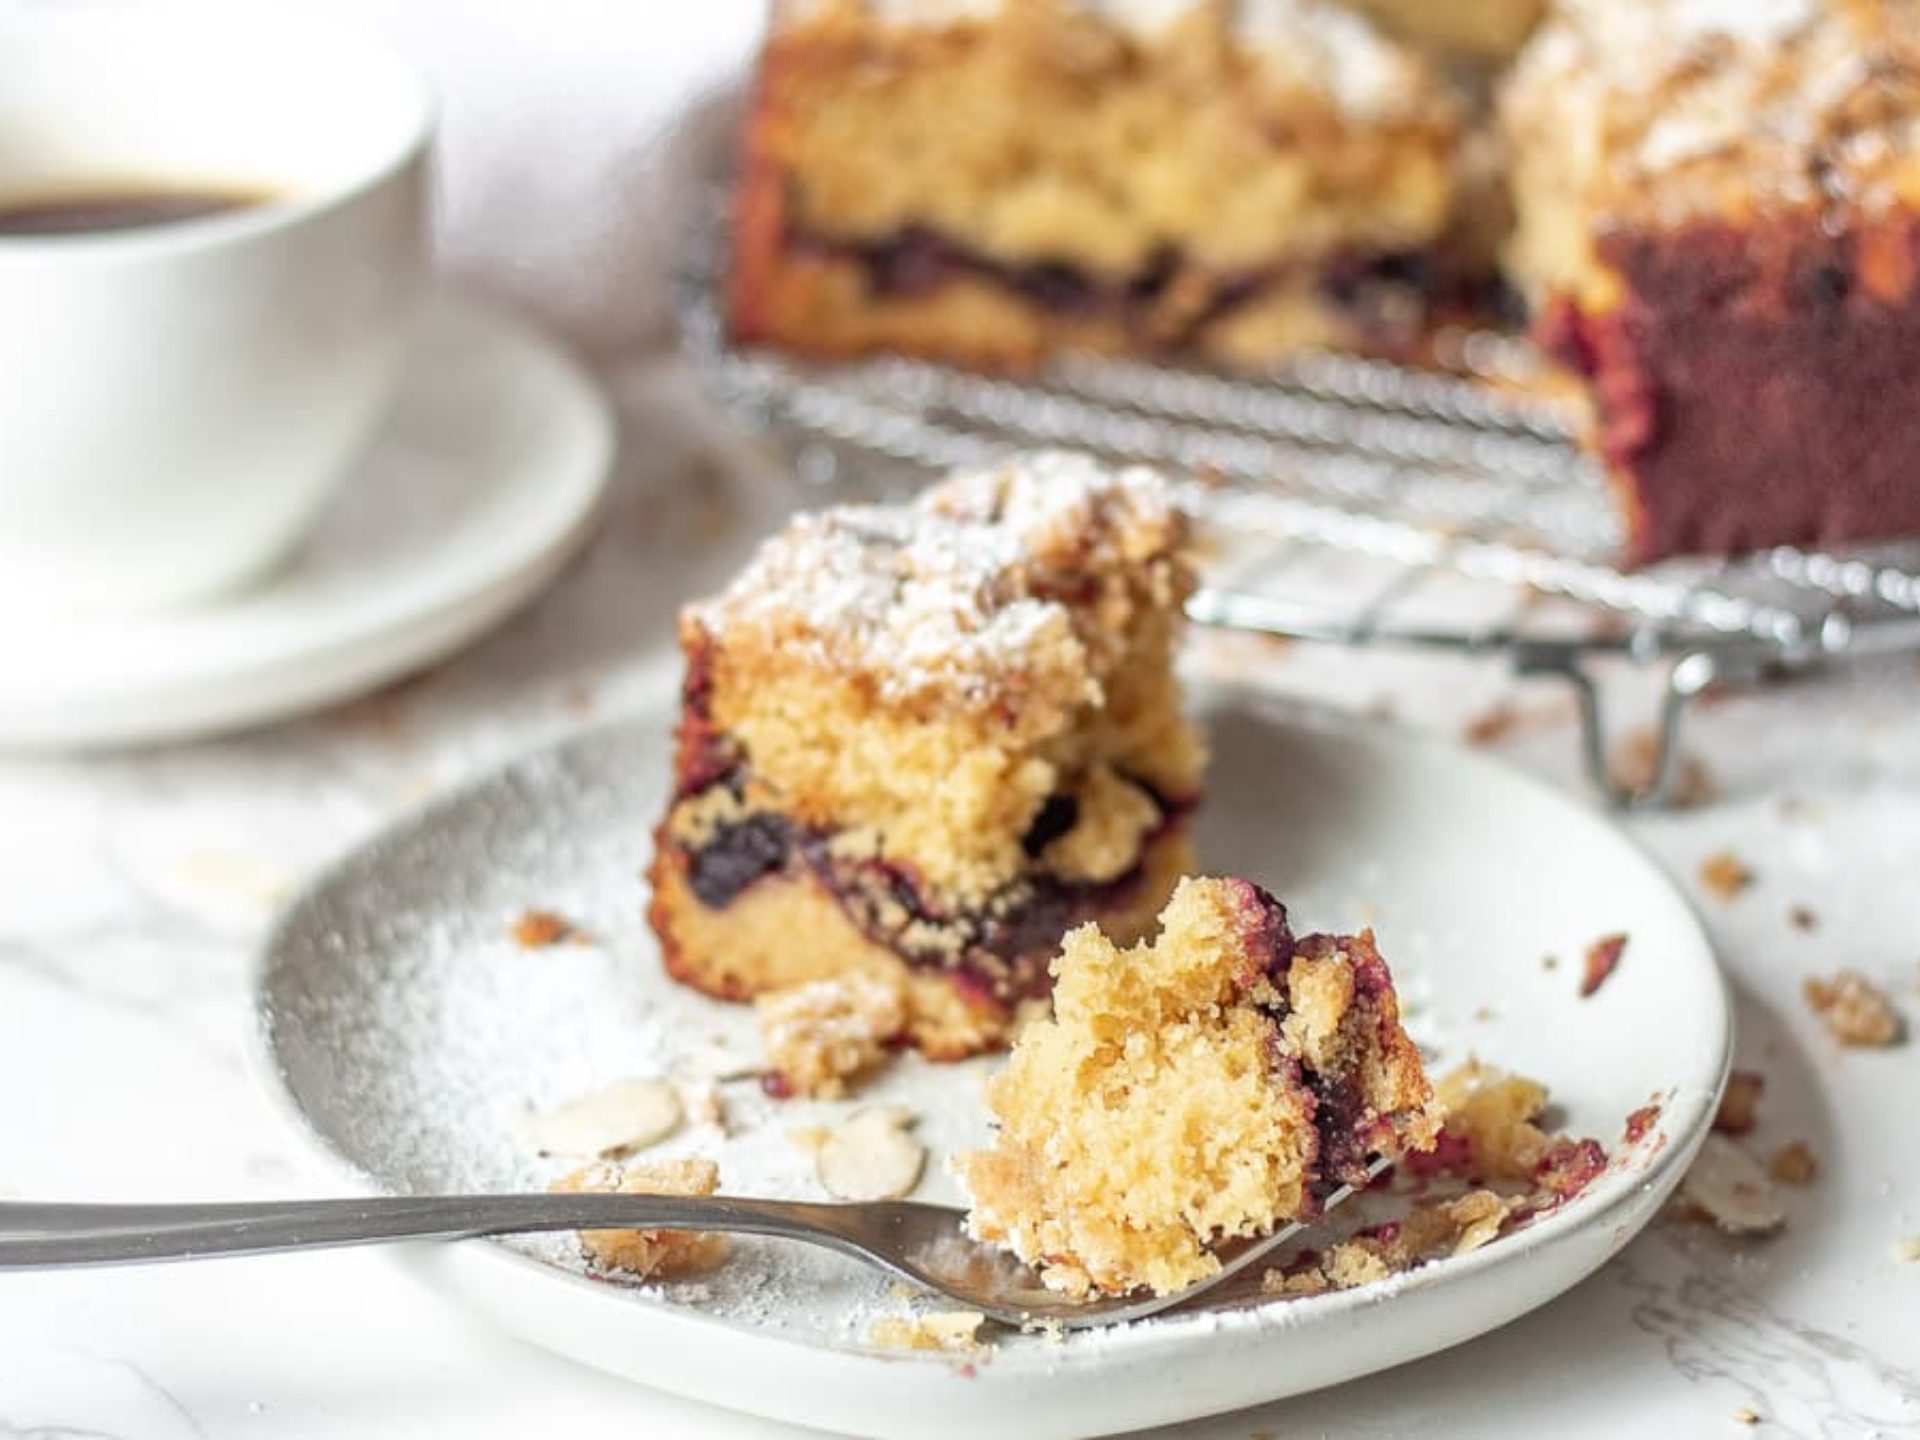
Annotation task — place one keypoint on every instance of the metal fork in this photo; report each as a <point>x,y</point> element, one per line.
<point>926,1245</point>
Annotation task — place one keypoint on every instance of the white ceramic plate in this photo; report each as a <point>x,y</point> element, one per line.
<point>407,1030</point>
<point>482,481</point>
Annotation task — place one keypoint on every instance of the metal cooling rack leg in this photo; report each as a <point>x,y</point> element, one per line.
<point>1691,673</point>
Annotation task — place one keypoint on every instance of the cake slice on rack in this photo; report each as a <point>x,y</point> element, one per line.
<point>1192,1090</point>
<point>1719,227</point>
<point>920,742</point>
<point>987,180</point>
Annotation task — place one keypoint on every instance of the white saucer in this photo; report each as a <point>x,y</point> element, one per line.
<point>407,1030</point>
<point>482,482</point>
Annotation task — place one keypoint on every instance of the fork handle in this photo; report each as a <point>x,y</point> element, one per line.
<point>43,1236</point>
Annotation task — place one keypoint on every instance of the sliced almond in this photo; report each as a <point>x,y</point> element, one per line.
<point>871,1157</point>
<point>628,1115</point>
<point>1734,1192</point>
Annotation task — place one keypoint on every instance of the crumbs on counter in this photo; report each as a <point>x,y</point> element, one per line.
<point>1740,1103</point>
<point>1802,918</point>
<point>1635,764</point>
<point>1855,1011</point>
<point>540,929</point>
<point>1602,959</point>
<point>1727,1186</point>
<point>1793,1164</point>
<point>1724,874</point>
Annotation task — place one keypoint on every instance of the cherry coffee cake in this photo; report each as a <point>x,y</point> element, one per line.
<point>919,742</point>
<point>986,180</point>
<point>1195,1088</point>
<point>1719,227</point>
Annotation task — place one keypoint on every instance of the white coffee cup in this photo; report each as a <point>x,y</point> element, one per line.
<point>177,400</point>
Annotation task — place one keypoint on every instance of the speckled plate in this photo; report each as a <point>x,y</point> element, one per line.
<point>407,1030</point>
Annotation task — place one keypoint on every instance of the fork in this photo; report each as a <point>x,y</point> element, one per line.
<point>926,1245</point>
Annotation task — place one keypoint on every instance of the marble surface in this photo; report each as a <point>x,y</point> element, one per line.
<point>136,887</point>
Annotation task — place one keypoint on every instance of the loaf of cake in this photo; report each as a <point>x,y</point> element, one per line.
<point>1719,229</point>
<point>920,742</point>
<point>987,180</point>
<point>1197,1088</point>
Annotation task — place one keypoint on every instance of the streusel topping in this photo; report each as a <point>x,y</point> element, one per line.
<point>1311,44</point>
<point>1682,108</point>
<point>970,589</point>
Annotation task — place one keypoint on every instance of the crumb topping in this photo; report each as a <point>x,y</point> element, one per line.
<point>963,593</point>
<point>1306,44</point>
<point>1672,109</point>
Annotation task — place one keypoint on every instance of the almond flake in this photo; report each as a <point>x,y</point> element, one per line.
<point>871,1157</point>
<point>626,1116</point>
<point>1728,1185</point>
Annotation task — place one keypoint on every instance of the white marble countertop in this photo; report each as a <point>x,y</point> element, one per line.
<point>137,886</point>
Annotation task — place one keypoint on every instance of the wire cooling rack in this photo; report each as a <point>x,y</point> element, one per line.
<point>1350,502</point>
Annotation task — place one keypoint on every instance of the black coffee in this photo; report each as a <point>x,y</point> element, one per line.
<point>89,212</point>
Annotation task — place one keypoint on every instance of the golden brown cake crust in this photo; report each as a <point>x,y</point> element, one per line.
<point>1194,1088</point>
<point>1083,203</point>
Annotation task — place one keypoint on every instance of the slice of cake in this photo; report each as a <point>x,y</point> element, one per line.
<point>921,742</point>
<point>1719,228</point>
<point>1194,1089</point>
<point>984,182</point>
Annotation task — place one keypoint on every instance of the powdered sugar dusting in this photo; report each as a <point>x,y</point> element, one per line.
<point>1793,101</point>
<point>954,592</point>
<point>1315,44</point>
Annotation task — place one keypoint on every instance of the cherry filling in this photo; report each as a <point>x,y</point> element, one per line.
<point>1387,295</point>
<point>1343,1120</point>
<point>1004,950</point>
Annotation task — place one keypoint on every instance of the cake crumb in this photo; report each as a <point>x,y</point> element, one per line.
<point>1602,959</point>
<point>1725,874</point>
<point>1744,1416</point>
<point>1907,1252</point>
<point>1739,1105</point>
<point>824,1033</point>
<point>940,1330</point>
<point>1855,1010</point>
<point>1793,1163</point>
<point>543,929</point>
<point>1802,918</point>
<point>648,1253</point>
<point>1636,762</point>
